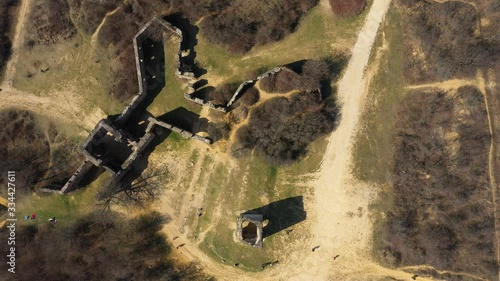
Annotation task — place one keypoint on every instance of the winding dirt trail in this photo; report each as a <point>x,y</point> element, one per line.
<point>51,106</point>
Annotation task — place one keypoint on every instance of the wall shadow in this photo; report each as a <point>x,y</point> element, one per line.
<point>90,176</point>
<point>203,93</point>
<point>296,66</point>
<point>189,41</point>
<point>281,214</point>
<point>200,83</point>
<point>185,119</point>
<point>135,127</point>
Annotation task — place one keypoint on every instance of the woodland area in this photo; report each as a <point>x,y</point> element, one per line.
<point>440,183</point>
<point>444,41</point>
<point>6,19</point>
<point>25,148</point>
<point>99,246</point>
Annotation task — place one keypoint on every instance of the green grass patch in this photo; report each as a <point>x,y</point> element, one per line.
<point>66,208</point>
<point>74,66</point>
<point>319,34</point>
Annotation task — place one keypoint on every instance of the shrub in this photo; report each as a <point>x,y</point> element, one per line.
<point>222,94</point>
<point>250,96</point>
<point>100,246</point>
<point>280,129</point>
<point>49,22</point>
<point>347,8</point>
<point>440,175</point>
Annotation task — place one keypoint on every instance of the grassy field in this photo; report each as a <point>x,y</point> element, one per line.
<point>66,208</point>
<point>224,189</point>
<point>318,35</point>
<point>74,66</point>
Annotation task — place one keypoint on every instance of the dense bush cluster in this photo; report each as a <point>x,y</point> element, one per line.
<point>99,247</point>
<point>443,41</point>
<point>348,8</point>
<point>244,24</point>
<point>281,82</point>
<point>280,129</point>
<point>87,14</point>
<point>222,94</point>
<point>249,97</point>
<point>311,75</point>
<point>49,22</point>
<point>5,25</point>
<point>440,181</point>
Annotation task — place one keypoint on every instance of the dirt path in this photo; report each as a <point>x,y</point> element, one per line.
<point>51,106</point>
<point>93,38</point>
<point>337,232</point>
<point>17,41</point>
<point>445,85</point>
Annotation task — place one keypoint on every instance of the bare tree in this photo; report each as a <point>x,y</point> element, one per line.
<point>137,193</point>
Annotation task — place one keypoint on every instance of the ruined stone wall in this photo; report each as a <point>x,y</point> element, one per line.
<point>140,68</point>
<point>184,133</point>
<point>203,103</point>
<point>77,176</point>
<point>138,149</point>
<point>241,88</point>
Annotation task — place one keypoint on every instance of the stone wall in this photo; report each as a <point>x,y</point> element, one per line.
<point>140,68</point>
<point>184,133</point>
<point>241,88</point>
<point>72,183</point>
<point>203,103</point>
<point>138,149</point>
<point>258,220</point>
